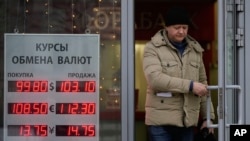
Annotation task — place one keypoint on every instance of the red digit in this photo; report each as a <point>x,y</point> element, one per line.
<point>26,108</point>
<point>89,86</point>
<point>36,109</point>
<point>74,108</point>
<point>85,130</point>
<point>14,108</point>
<point>19,108</point>
<point>61,108</point>
<point>40,130</point>
<point>26,130</point>
<point>62,86</point>
<point>84,108</point>
<point>40,108</point>
<point>69,108</point>
<point>19,85</point>
<point>91,108</point>
<point>21,131</point>
<point>75,86</point>
<point>73,130</point>
<point>65,86</point>
<point>91,130</point>
<point>36,86</point>
<point>37,130</point>
<point>27,86</point>
<point>44,86</point>
<point>44,108</point>
<point>43,130</point>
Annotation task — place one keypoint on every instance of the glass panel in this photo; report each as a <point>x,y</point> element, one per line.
<point>230,44</point>
<point>230,54</point>
<point>73,17</point>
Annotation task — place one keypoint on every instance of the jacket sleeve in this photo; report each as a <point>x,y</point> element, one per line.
<point>204,109</point>
<point>158,80</point>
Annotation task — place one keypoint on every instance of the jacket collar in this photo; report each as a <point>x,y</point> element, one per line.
<point>160,39</point>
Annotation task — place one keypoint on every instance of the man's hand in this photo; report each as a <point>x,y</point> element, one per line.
<point>200,89</point>
<point>204,125</point>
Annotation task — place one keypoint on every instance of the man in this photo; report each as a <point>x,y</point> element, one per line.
<point>177,81</point>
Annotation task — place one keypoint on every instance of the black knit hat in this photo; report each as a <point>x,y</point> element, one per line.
<point>177,15</point>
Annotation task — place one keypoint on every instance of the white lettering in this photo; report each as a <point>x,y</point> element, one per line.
<point>239,132</point>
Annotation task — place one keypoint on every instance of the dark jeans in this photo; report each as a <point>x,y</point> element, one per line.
<point>170,133</point>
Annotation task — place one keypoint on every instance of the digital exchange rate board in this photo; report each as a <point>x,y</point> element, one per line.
<point>51,87</point>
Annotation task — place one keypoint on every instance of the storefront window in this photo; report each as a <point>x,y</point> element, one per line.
<point>73,17</point>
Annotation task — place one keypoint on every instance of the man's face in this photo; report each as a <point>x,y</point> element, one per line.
<point>176,33</point>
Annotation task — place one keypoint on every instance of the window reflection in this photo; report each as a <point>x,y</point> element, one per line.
<point>74,17</point>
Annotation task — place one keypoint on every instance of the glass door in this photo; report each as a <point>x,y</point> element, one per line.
<point>230,94</point>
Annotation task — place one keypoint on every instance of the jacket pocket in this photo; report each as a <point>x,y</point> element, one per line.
<point>194,68</point>
<point>170,68</point>
<point>166,103</point>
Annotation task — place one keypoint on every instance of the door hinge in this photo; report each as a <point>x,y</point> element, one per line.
<point>239,5</point>
<point>239,37</point>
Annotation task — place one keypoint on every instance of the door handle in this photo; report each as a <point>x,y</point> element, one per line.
<point>240,106</point>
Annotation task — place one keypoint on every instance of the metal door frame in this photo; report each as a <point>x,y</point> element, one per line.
<point>227,9</point>
<point>127,71</point>
<point>245,78</point>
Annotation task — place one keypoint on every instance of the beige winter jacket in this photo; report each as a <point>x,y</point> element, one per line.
<point>166,71</point>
